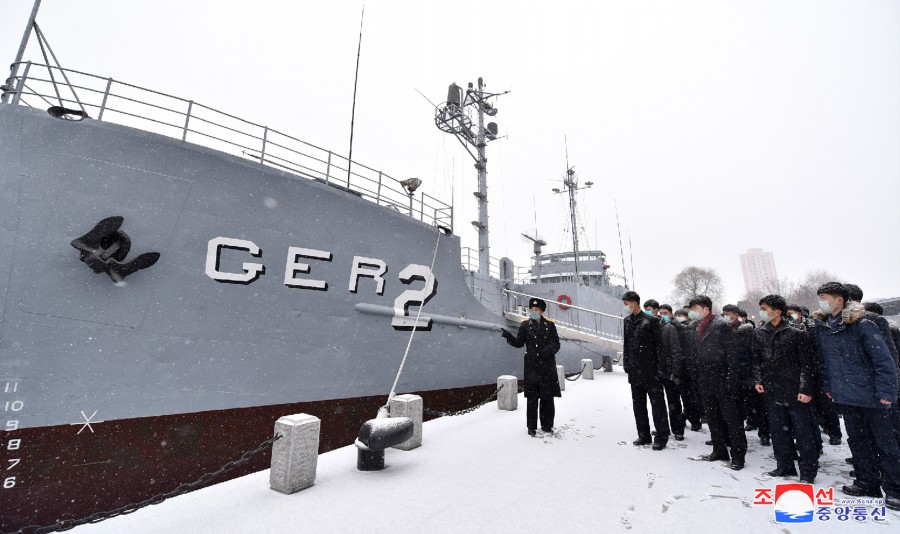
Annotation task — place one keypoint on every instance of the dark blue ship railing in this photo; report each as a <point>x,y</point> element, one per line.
<point>108,100</point>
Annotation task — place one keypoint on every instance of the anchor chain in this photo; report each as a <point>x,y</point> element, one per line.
<point>490,398</point>
<point>68,524</point>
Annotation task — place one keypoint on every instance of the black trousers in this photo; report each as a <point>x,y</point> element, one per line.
<point>547,409</point>
<point>896,414</point>
<point>755,408</point>
<point>828,415</point>
<point>673,403</point>
<point>657,406</point>
<point>791,422</point>
<point>873,444</point>
<point>693,408</point>
<point>723,414</point>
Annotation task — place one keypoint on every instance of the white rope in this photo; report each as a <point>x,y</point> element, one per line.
<point>415,325</point>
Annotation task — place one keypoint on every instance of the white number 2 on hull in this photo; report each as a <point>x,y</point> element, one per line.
<point>403,319</point>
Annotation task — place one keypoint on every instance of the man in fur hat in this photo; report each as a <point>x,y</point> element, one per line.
<point>861,377</point>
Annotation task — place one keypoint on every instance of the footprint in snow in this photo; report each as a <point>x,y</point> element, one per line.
<point>626,522</point>
<point>651,479</point>
<point>670,501</point>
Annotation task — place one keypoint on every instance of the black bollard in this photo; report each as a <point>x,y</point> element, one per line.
<point>370,460</point>
<point>377,435</point>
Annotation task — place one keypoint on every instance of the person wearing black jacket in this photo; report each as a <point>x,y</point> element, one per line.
<point>877,309</point>
<point>538,335</point>
<point>693,403</point>
<point>824,407</point>
<point>856,295</point>
<point>752,403</point>
<point>641,358</point>
<point>784,372</point>
<point>719,376</point>
<point>673,370</point>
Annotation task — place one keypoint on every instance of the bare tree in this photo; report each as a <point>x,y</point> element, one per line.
<point>805,292</point>
<point>693,281</point>
<point>802,293</point>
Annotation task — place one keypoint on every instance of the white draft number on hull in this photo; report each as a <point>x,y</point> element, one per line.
<point>403,319</point>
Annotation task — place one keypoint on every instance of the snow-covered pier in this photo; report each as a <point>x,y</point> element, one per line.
<point>481,472</point>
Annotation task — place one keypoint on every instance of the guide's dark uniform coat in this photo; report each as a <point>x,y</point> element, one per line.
<point>541,344</point>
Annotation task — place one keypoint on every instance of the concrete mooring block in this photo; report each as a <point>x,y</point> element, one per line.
<point>607,363</point>
<point>587,369</point>
<point>409,406</point>
<point>296,455</point>
<point>561,375</point>
<point>508,396</point>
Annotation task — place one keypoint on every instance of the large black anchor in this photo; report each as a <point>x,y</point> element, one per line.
<point>105,247</point>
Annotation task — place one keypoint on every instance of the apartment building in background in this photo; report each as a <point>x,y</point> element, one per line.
<point>758,267</point>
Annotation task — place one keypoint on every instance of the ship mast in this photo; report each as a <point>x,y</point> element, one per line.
<point>570,182</point>
<point>9,87</point>
<point>455,117</point>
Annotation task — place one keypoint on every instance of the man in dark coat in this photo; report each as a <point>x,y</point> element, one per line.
<point>861,377</point>
<point>672,368</point>
<point>784,371</point>
<point>824,407</point>
<point>538,336</point>
<point>752,403</point>
<point>719,375</point>
<point>874,307</point>
<point>641,358</point>
<point>693,403</point>
<point>856,295</point>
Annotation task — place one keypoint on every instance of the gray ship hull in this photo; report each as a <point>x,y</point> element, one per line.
<point>273,293</point>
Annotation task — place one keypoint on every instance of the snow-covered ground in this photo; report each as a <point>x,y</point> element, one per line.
<point>481,472</point>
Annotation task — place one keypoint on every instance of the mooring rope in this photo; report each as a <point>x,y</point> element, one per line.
<point>415,325</point>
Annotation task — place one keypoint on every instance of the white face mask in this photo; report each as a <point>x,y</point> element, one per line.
<point>825,307</point>
<point>764,317</point>
<point>679,319</point>
<point>794,317</point>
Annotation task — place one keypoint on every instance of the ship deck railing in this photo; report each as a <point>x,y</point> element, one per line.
<point>105,99</point>
<point>570,316</point>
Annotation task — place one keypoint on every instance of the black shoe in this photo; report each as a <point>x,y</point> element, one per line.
<point>765,441</point>
<point>750,427</point>
<point>659,445</point>
<point>807,480</point>
<point>532,432</point>
<point>737,464</point>
<point>653,433</point>
<point>709,442</point>
<point>892,502</point>
<point>641,441</point>
<point>696,428</point>
<point>547,430</point>
<point>834,440</point>
<point>779,472</point>
<point>849,460</point>
<point>715,457</point>
<point>856,491</point>
<point>853,473</point>
<point>678,437</point>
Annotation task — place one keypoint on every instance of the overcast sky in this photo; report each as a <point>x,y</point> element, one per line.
<point>716,126</point>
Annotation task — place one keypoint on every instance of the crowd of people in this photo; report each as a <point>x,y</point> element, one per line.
<point>790,376</point>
